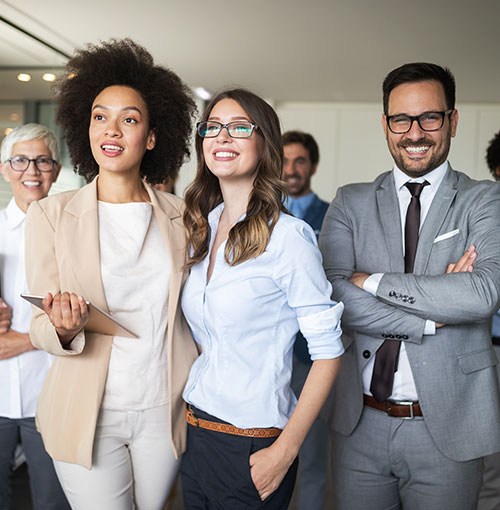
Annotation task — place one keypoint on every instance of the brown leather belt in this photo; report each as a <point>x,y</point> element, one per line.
<point>226,428</point>
<point>398,409</point>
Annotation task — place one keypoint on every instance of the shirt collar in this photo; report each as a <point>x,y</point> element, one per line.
<point>299,205</point>
<point>434,177</point>
<point>15,215</point>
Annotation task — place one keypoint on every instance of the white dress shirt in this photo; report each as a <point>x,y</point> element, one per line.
<point>246,319</point>
<point>135,274</point>
<point>21,377</point>
<point>404,384</point>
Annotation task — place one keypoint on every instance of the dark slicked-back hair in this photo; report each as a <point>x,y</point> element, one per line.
<point>493,155</point>
<point>304,139</point>
<point>416,72</point>
<point>169,102</point>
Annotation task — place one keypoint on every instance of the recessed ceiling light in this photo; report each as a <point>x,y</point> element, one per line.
<point>24,77</point>
<point>8,130</point>
<point>14,116</point>
<point>203,93</point>
<point>49,77</point>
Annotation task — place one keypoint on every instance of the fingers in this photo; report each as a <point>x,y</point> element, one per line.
<point>67,312</point>
<point>5,316</point>
<point>465,264</point>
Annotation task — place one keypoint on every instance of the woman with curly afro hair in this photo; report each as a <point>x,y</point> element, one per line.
<point>111,413</point>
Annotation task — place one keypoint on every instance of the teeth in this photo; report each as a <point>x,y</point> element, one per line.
<point>416,150</point>
<point>225,154</point>
<point>111,147</point>
<point>32,184</point>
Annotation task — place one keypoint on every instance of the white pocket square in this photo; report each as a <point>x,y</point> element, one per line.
<point>442,237</point>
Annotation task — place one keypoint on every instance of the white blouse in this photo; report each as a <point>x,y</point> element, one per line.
<point>135,272</point>
<point>246,319</point>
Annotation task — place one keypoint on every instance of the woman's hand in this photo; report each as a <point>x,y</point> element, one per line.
<point>268,467</point>
<point>68,314</point>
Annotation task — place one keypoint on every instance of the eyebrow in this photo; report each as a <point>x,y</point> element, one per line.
<point>122,109</point>
<point>232,118</point>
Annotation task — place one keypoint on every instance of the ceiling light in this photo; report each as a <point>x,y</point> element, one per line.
<point>24,77</point>
<point>8,130</point>
<point>203,93</point>
<point>49,77</point>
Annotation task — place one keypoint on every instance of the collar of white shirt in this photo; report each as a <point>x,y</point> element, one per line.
<point>15,215</point>
<point>434,177</point>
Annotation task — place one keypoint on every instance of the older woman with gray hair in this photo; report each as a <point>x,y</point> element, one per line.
<point>29,162</point>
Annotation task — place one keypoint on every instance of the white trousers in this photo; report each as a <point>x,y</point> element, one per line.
<point>133,463</point>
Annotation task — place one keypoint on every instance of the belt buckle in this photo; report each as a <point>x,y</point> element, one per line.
<point>408,403</point>
<point>191,415</point>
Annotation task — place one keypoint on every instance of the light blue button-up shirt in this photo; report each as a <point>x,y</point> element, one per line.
<point>246,320</point>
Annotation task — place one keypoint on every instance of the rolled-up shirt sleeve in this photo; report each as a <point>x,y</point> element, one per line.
<point>301,276</point>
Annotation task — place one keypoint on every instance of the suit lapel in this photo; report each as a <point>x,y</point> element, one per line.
<point>388,208</point>
<point>171,228</point>
<point>435,217</point>
<point>81,234</point>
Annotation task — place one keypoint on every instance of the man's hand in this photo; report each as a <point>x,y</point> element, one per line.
<point>359,279</point>
<point>464,265</point>
<point>13,343</point>
<point>5,316</point>
<point>68,314</point>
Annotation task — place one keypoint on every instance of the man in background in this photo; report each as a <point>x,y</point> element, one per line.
<point>29,162</point>
<point>301,157</point>
<point>489,496</point>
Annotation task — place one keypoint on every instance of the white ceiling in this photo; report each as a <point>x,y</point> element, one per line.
<point>285,50</point>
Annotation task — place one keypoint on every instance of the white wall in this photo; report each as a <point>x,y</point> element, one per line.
<point>350,153</point>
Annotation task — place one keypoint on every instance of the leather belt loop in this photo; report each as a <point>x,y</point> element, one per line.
<point>227,428</point>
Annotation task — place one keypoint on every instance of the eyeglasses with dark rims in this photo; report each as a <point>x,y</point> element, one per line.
<point>236,129</point>
<point>428,121</point>
<point>42,163</point>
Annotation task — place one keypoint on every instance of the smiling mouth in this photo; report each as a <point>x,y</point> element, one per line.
<point>225,154</point>
<point>32,184</point>
<point>417,150</point>
<point>112,148</point>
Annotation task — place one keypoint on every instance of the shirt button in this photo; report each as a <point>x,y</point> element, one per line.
<point>366,354</point>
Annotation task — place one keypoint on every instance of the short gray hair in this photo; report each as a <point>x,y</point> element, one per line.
<point>30,132</point>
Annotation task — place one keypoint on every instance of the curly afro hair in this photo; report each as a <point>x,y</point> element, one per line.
<point>493,155</point>
<point>123,62</point>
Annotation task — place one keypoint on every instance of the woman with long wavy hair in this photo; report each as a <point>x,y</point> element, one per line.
<point>256,278</point>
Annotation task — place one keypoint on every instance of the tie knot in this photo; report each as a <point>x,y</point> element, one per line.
<point>415,188</point>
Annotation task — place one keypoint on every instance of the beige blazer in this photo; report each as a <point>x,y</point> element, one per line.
<point>62,254</point>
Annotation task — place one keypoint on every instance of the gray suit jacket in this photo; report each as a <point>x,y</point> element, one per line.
<point>454,370</point>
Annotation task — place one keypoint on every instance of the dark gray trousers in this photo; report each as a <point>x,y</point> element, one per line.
<point>46,492</point>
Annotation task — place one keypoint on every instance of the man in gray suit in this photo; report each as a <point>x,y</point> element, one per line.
<point>415,257</point>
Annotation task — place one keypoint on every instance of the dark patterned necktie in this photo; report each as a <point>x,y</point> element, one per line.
<point>386,358</point>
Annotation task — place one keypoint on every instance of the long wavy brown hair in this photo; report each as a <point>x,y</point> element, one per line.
<point>249,237</point>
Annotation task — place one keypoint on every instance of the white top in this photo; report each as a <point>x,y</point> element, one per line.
<point>404,385</point>
<point>246,320</point>
<point>21,377</point>
<point>135,272</point>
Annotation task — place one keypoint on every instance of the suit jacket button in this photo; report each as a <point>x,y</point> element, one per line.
<point>398,337</point>
<point>411,300</point>
<point>398,295</point>
<point>404,299</point>
<point>392,293</point>
<point>391,336</point>
<point>405,337</point>
<point>366,354</point>
<point>384,335</point>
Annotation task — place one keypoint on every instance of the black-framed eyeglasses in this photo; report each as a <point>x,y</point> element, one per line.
<point>42,163</point>
<point>428,121</point>
<point>236,129</point>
